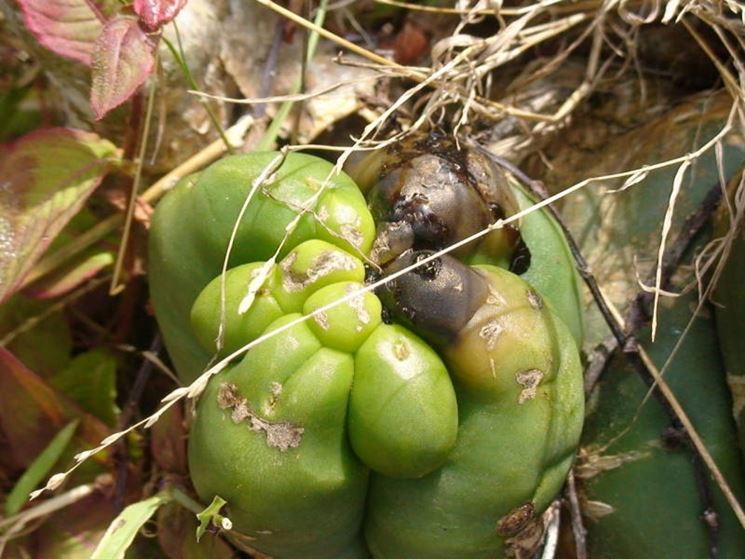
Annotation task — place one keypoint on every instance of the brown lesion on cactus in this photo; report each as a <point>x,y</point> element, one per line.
<point>535,300</point>
<point>322,319</point>
<point>322,265</point>
<point>276,393</point>
<point>282,436</point>
<point>516,520</point>
<point>357,304</point>
<point>490,334</point>
<point>526,543</point>
<point>529,380</point>
<point>351,234</point>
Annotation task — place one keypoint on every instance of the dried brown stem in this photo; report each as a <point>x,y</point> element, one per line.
<point>578,527</point>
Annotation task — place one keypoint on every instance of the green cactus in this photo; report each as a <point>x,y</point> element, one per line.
<point>442,435</point>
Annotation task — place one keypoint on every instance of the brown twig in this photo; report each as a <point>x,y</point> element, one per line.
<point>270,67</point>
<point>578,527</point>
<point>125,418</point>
<point>597,361</point>
<point>637,314</point>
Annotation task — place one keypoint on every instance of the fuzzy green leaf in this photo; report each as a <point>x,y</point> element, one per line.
<point>123,58</point>
<point>47,177</point>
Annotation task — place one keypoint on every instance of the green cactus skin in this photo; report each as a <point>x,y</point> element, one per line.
<point>393,425</point>
<point>289,434</point>
<point>552,272</point>
<point>520,416</point>
<point>282,458</point>
<point>730,316</point>
<point>282,461</point>
<point>652,504</point>
<point>193,224</point>
<point>638,483</point>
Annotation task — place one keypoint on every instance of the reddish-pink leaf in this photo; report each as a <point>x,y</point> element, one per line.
<point>31,412</point>
<point>67,27</point>
<point>156,13</point>
<point>123,58</point>
<point>45,178</point>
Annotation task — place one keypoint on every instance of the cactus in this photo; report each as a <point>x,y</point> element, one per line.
<point>445,432</point>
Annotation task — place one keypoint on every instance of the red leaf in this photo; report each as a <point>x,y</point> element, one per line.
<point>67,27</point>
<point>31,412</point>
<point>46,176</point>
<point>123,58</point>
<point>156,13</point>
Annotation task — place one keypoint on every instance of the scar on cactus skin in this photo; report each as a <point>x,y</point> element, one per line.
<point>282,436</point>
<point>515,520</point>
<point>322,265</point>
<point>529,380</point>
<point>535,300</point>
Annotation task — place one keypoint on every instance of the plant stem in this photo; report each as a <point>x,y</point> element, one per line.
<point>178,55</point>
<point>270,136</point>
<point>185,501</point>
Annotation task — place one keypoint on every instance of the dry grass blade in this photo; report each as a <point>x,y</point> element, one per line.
<point>15,524</point>
<point>352,47</point>
<point>479,11</point>
<point>666,225</point>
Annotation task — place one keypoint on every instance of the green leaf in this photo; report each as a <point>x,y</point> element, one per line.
<point>27,325</point>
<point>21,115</point>
<point>90,380</point>
<point>176,525</point>
<point>47,177</point>
<point>39,468</point>
<point>211,515</point>
<point>123,529</point>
